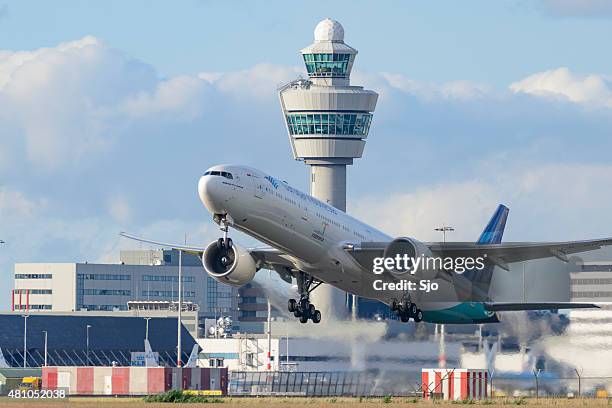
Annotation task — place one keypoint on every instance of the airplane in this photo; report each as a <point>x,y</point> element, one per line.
<point>313,242</point>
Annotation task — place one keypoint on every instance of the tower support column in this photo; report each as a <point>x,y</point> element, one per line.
<point>328,183</point>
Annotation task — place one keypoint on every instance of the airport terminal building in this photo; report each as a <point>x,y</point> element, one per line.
<point>150,275</point>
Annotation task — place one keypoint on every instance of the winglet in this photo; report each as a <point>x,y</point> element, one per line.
<point>493,232</point>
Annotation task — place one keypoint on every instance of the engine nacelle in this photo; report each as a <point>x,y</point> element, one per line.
<point>413,249</point>
<point>232,264</point>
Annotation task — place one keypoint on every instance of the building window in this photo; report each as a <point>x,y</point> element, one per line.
<point>167,258</point>
<point>33,307</point>
<point>34,291</point>
<point>592,281</point>
<point>353,124</point>
<point>105,292</point>
<point>167,278</point>
<point>249,299</point>
<point>211,293</point>
<point>33,276</point>
<point>167,293</point>
<point>103,276</point>
<point>602,294</point>
<point>105,307</point>
<point>327,65</point>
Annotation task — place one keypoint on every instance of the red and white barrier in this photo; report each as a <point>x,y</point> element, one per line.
<point>132,380</point>
<point>455,384</point>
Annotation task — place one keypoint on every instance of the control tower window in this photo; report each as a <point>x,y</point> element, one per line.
<point>327,65</point>
<point>357,124</point>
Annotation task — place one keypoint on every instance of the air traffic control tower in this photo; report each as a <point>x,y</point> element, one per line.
<point>328,122</point>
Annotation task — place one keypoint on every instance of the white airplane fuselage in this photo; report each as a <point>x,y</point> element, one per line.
<point>312,233</point>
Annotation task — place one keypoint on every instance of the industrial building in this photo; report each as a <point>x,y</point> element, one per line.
<point>88,339</point>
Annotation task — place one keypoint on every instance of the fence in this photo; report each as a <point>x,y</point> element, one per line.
<point>407,383</point>
<point>337,383</point>
<point>547,384</point>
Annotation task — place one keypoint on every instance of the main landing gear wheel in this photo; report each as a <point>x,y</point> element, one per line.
<point>302,308</point>
<point>405,309</point>
<point>292,306</point>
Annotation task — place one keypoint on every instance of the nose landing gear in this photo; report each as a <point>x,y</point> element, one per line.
<point>303,309</point>
<point>406,309</point>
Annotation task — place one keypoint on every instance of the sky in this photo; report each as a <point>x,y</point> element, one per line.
<point>110,112</point>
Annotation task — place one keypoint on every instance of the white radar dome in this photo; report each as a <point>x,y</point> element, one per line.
<point>329,30</point>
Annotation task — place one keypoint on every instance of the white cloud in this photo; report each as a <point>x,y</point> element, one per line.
<point>15,205</point>
<point>563,84</point>
<point>458,90</point>
<point>549,202</point>
<point>259,81</point>
<point>119,208</point>
<point>181,96</point>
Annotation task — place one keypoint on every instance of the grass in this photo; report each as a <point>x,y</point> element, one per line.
<point>175,396</point>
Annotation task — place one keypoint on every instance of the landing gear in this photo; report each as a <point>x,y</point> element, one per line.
<point>405,309</point>
<point>302,308</point>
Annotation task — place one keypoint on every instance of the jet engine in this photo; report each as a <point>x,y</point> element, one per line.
<point>414,250</point>
<point>228,263</point>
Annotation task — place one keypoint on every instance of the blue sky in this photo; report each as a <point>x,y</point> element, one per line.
<point>110,111</point>
<point>485,41</point>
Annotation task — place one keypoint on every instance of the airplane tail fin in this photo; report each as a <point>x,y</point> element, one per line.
<point>193,357</point>
<point>494,231</point>
<point>150,357</point>
<point>492,234</point>
<point>3,363</point>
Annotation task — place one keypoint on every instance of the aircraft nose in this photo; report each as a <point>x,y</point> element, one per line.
<point>207,187</point>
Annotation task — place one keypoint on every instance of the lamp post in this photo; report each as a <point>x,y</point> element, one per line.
<point>87,341</point>
<point>444,229</point>
<point>25,340</point>
<point>147,328</point>
<point>442,346</point>
<point>179,351</point>
<point>44,331</point>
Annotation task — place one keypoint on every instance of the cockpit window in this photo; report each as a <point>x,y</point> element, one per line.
<point>219,173</point>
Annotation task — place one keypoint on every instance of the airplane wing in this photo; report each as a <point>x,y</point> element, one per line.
<point>498,254</point>
<point>505,253</point>
<point>508,307</point>
<point>265,257</point>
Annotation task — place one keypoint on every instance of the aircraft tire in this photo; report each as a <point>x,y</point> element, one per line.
<point>413,309</point>
<point>316,316</point>
<point>311,310</point>
<point>303,319</point>
<point>292,305</point>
